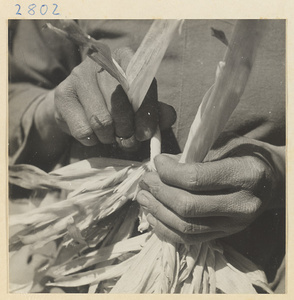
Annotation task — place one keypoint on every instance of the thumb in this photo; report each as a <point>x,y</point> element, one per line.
<point>167,116</point>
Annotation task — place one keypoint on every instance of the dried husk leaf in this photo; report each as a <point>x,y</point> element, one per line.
<point>210,263</point>
<point>244,265</point>
<point>229,280</point>
<point>186,286</point>
<point>90,166</point>
<point>191,258</point>
<point>70,177</point>
<point>205,282</point>
<point>241,264</point>
<point>98,51</point>
<point>60,209</point>
<point>91,277</point>
<point>103,254</point>
<point>26,266</point>
<point>47,232</point>
<point>143,223</point>
<point>199,269</point>
<point>225,95</point>
<point>31,177</point>
<point>144,64</point>
<point>94,185</point>
<point>168,274</point>
<point>127,227</point>
<point>74,232</point>
<point>20,288</point>
<point>136,277</point>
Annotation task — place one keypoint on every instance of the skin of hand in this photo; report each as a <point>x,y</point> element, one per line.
<point>91,106</point>
<point>238,180</point>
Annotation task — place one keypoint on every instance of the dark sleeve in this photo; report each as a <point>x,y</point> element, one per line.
<point>38,61</point>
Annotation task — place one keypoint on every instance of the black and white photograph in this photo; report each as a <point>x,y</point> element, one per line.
<point>147,156</point>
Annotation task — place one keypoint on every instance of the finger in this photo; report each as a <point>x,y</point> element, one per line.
<point>122,113</point>
<point>228,173</point>
<point>118,104</point>
<point>178,237</point>
<point>72,113</point>
<point>183,225</point>
<point>147,116</point>
<point>93,101</point>
<point>167,116</point>
<point>123,118</point>
<point>186,204</point>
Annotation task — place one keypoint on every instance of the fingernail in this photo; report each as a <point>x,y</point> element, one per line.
<point>143,134</point>
<point>151,220</point>
<point>142,199</point>
<point>130,144</point>
<point>143,185</point>
<point>145,210</point>
<point>89,140</point>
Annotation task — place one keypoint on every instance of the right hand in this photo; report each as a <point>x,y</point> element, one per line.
<point>196,202</point>
<point>91,106</point>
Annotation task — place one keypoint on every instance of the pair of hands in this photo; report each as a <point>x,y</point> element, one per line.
<point>185,202</point>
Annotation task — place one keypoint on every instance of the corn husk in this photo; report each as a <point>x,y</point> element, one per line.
<point>223,97</point>
<point>103,254</point>
<point>122,264</point>
<point>145,63</point>
<point>98,51</point>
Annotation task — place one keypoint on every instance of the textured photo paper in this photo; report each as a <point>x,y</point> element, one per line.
<point>41,57</point>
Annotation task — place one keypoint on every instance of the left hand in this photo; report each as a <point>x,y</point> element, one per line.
<point>190,203</point>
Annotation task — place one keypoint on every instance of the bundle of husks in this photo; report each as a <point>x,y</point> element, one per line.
<point>89,239</point>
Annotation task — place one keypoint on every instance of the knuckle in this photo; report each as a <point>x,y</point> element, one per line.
<point>81,132</point>
<point>248,173</point>
<point>258,168</point>
<point>80,69</point>
<point>252,207</point>
<point>65,88</point>
<point>85,69</point>
<point>249,208</point>
<point>193,179</point>
<point>154,208</point>
<point>186,228</point>
<point>59,91</point>
<point>150,181</point>
<point>155,188</point>
<point>258,173</point>
<point>185,206</point>
<point>155,183</point>
<point>100,123</point>
<point>77,75</point>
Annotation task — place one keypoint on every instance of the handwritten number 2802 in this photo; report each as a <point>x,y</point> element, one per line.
<point>33,9</point>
